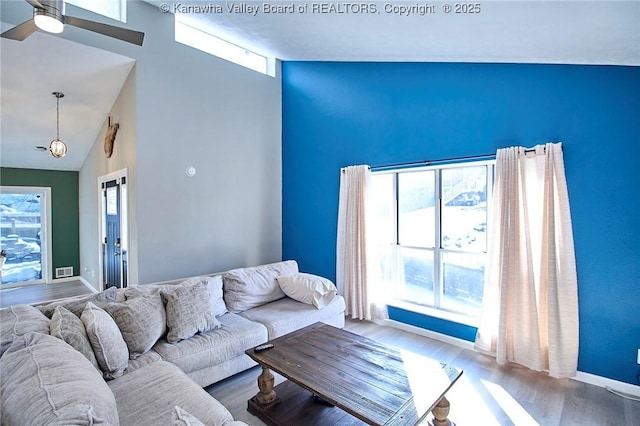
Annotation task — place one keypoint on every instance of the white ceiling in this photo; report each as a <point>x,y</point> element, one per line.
<point>90,79</point>
<point>554,32</point>
<point>551,32</point>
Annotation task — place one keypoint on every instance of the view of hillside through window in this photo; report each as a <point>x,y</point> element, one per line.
<point>20,223</point>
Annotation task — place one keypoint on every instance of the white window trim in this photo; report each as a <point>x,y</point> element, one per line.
<point>433,311</point>
<point>87,6</point>
<point>206,42</point>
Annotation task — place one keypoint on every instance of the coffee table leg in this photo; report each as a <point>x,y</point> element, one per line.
<point>266,395</point>
<point>440,413</point>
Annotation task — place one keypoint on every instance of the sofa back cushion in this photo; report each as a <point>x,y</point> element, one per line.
<point>247,288</point>
<point>18,320</point>
<point>45,381</point>
<point>77,304</point>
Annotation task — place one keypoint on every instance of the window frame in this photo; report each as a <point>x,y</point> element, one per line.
<point>438,250</point>
<point>91,6</point>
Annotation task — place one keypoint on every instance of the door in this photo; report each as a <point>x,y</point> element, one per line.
<point>113,253</point>
<point>24,219</point>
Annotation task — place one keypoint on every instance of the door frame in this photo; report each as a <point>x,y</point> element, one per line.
<point>45,240</point>
<point>118,175</point>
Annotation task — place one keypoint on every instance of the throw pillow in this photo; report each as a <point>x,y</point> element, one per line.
<point>47,382</point>
<point>188,312</point>
<point>180,417</point>
<point>18,320</point>
<point>68,327</point>
<point>106,340</point>
<point>141,321</point>
<point>214,287</point>
<point>308,288</point>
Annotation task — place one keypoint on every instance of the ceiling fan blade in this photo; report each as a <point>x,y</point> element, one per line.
<point>124,34</point>
<point>20,32</point>
<point>35,3</point>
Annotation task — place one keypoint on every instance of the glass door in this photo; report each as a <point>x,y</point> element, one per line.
<point>23,218</point>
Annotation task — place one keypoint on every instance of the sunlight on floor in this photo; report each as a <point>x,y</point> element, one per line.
<point>467,406</point>
<point>511,407</point>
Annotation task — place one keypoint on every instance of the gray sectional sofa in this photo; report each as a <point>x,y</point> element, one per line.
<point>142,355</point>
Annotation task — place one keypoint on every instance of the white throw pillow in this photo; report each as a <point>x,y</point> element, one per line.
<point>308,288</point>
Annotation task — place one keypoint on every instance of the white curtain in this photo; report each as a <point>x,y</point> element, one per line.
<point>355,277</point>
<point>530,305</point>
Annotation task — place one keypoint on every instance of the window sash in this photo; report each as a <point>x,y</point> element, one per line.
<point>437,247</point>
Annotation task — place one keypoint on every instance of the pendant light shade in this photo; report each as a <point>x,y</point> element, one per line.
<point>50,17</point>
<point>57,147</point>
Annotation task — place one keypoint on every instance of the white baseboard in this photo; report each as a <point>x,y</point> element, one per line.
<point>89,286</point>
<point>591,379</point>
<point>465,344</point>
<point>604,382</point>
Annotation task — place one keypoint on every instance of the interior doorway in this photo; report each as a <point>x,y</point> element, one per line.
<point>114,232</point>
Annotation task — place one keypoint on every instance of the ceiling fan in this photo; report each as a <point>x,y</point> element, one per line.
<point>48,15</point>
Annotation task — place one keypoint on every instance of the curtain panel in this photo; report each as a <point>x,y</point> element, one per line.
<point>355,276</point>
<point>530,303</point>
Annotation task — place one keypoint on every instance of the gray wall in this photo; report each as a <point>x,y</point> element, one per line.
<point>191,109</point>
<point>96,165</point>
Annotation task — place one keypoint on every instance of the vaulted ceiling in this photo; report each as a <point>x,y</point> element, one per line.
<point>555,32</point>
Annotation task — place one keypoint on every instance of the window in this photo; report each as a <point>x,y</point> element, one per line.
<point>114,9</point>
<point>24,218</point>
<point>432,235</point>
<point>208,43</point>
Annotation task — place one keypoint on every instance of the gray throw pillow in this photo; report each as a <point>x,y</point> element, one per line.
<point>106,340</point>
<point>18,320</point>
<point>47,382</point>
<point>141,320</point>
<point>214,287</point>
<point>188,312</point>
<point>68,327</point>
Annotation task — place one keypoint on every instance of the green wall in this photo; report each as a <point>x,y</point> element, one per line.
<point>65,241</point>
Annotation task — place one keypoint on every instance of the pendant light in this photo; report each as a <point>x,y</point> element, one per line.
<point>57,147</point>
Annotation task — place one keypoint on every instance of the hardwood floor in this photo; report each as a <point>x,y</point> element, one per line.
<point>486,394</point>
<point>38,293</point>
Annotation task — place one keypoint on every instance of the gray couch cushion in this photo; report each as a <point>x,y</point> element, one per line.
<point>141,320</point>
<point>247,288</point>
<point>45,381</point>
<point>286,315</point>
<point>18,320</point>
<point>235,336</point>
<point>77,305</point>
<point>188,311</point>
<point>148,396</point>
<point>106,340</point>
<point>68,327</point>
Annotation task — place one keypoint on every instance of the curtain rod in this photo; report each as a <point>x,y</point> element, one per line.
<point>430,162</point>
<point>444,160</point>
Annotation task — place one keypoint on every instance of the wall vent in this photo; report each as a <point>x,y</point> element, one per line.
<point>65,272</point>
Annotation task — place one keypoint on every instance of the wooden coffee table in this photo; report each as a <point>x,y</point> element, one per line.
<point>339,378</point>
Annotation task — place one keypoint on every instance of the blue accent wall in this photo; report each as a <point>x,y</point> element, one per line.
<point>339,114</point>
